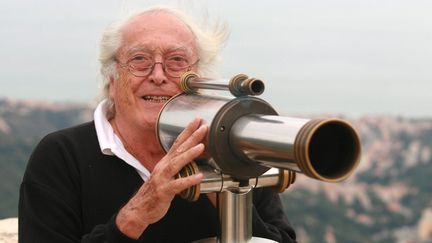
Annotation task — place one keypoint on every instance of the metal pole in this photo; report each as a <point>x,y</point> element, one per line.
<point>236,215</point>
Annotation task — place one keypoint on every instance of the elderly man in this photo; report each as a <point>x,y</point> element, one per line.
<point>109,180</point>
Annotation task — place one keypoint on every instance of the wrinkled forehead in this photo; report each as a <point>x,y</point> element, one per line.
<point>129,50</point>
<point>157,31</point>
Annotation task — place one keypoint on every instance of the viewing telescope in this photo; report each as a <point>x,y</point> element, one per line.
<point>249,144</point>
<point>246,136</point>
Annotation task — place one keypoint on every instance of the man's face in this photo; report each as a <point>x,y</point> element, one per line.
<point>161,37</point>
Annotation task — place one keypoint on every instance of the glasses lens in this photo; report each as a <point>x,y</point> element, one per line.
<point>176,65</point>
<point>141,65</point>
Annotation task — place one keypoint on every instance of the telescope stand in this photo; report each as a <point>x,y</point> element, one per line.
<point>235,211</point>
<point>235,199</point>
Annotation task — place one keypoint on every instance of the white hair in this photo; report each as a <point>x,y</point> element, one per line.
<point>209,41</point>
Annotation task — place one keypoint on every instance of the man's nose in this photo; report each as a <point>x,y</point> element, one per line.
<point>158,75</point>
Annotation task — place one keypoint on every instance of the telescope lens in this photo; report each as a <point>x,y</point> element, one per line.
<point>333,150</point>
<point>257,87</point>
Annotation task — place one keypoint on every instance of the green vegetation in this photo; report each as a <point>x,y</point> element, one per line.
<point>13,156</point>
<point>315,213</point>
<point>26,126</point>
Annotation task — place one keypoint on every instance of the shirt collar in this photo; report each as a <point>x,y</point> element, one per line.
<point>104,130</point>
<point>110,144</point>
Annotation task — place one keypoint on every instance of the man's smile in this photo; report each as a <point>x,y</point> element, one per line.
<point>156,98</point>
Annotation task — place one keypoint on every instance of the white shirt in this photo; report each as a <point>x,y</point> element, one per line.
<point>110,143</point>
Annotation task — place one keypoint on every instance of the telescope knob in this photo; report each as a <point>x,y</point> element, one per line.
<point>286,179</point>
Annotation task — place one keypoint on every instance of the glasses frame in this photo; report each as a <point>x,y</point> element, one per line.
<point>151,68</point>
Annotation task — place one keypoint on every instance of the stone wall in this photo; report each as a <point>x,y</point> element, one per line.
<point>9,230</point>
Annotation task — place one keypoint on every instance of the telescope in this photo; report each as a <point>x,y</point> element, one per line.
<point>250,145</point>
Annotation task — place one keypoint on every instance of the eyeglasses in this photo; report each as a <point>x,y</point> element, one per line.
<point>143,65</point>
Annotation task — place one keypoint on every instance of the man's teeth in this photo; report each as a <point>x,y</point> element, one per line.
<point>156,98</point>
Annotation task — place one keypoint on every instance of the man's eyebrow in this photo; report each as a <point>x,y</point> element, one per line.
<point>145,49</point>
<point>139,49</point>
<point>180,48</point>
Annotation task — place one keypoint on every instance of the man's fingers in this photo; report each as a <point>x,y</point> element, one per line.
<point>196,137</point>
<point>181,184</point>
<point>175,165</point>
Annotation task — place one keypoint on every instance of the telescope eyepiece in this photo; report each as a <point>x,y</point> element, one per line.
<point>242,85</point>
<point>257,87</point>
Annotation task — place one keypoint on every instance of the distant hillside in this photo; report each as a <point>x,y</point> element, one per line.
<point>35,119</point>
<point>22,125</point>
<point>389,199</point>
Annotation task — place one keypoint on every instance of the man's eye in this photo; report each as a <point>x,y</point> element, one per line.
<point>176,61</point>
<point>140,58</point>
<point>141,62</point>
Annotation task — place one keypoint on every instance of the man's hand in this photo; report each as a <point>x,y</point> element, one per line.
<point>153,199</point>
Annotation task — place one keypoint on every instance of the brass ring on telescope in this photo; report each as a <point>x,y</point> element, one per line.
<point>192,193</point>
<point>158,118</point>
<point>286,178</point>
<point>233,82</point>
<point>184,85</point>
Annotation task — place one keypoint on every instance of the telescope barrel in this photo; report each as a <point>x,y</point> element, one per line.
<point>324,149</point>
<point>192,86</point>
<point>239,85</point>
<point>246,137</point>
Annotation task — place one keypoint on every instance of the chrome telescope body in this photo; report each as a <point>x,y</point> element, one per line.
<point>247,137</point>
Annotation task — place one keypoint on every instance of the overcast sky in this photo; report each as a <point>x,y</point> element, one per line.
<point>354,57</point>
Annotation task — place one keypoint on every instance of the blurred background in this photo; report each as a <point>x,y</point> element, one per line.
<point>366,61</point>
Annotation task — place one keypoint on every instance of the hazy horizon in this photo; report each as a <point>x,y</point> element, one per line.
<point>316,56</point>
